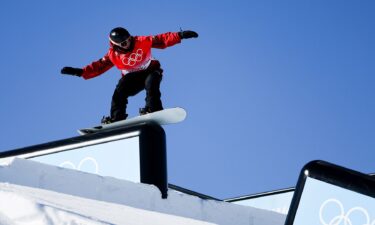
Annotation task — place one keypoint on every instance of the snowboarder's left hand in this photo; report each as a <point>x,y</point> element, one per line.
<point>188,34</point>
<point>72,71</point>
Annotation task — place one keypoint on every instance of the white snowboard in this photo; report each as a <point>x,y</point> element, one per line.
<point>163,117</point>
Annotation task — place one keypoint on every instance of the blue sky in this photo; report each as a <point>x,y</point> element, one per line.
<point>268,85</point>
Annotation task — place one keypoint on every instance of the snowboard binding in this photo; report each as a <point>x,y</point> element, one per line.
<point>147,110</point>
<point>109,120</point>
<point>144,111</point>
<point>106,120</point>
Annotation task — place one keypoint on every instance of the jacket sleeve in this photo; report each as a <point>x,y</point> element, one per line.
<point>97,68</point>
<point>165,40</point>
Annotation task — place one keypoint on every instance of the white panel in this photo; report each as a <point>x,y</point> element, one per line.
<point>322,204</point>
<point>119,159</point>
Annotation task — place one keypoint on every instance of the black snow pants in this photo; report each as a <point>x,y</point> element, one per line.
<point>130,85</point>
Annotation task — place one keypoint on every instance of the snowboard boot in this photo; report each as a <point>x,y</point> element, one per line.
<point>147,110</point>
<point>144,111</point>
<point>108,119</point>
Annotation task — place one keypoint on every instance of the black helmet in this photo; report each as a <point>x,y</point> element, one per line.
<point>118,35</point>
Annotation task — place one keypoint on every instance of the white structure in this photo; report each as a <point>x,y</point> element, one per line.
<point>36,193</point>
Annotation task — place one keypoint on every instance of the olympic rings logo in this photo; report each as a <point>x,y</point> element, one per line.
<point>133,58</point>
<point>342,218</point>
<point>81,163</point>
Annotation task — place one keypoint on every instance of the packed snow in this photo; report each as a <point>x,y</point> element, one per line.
<point>35,193</point>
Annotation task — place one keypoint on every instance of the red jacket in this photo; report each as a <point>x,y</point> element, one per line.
<point>138,59</point>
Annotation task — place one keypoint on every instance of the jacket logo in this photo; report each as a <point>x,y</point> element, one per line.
<point>133,58</point>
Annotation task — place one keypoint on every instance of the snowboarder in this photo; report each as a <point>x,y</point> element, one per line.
<point>139,70</point>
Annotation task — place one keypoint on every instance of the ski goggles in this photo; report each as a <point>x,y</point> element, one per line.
<point>123,44</point>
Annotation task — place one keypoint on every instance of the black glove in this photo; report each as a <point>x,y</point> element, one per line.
<point>72,71</point>
<point>188,34</point>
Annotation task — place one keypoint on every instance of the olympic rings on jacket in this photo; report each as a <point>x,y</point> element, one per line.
<point>133,58</point>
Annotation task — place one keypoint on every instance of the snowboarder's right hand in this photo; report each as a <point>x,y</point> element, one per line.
<point>72,71</point>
